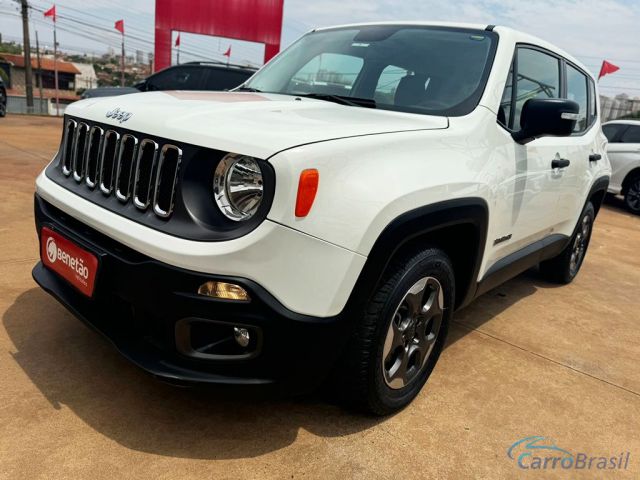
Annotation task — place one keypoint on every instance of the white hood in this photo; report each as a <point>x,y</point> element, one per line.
<point>254,124</point>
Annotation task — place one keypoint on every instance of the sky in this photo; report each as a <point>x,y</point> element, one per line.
<point>591,30</point>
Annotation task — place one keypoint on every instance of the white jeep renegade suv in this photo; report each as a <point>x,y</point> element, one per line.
<point>324,220</point>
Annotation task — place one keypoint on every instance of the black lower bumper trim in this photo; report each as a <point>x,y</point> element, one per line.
<point>138,301</point>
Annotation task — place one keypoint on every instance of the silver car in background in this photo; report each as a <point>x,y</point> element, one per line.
<point>624,154</point>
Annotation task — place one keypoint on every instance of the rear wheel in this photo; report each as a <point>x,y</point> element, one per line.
<point>399,339</point>
<point>632,195</point>
<point>565,267</point>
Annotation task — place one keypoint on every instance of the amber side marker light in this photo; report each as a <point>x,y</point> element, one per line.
<point>223,290</point>
<point>307,189</point>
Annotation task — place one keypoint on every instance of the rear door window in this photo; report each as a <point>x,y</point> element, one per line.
<point>631,135</point>
<point>612,131</point>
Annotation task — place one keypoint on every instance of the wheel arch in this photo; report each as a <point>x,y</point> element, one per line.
<point>598,192</point>
<point>627,179</point>
<point>459,227</point>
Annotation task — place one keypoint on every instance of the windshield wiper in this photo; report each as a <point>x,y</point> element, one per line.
<point>341,99</point>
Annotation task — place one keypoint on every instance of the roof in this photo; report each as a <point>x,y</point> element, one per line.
<point>45,63</point>
<point>46,93</point>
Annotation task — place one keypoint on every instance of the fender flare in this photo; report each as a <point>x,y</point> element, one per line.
<point>420,221</point>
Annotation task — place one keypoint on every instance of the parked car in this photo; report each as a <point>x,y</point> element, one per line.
<point>3,99</point>
<point>324,222</point>
<point>197,76</point>
<point>108,92</point>
<point>624,154</point>
<point>186,76</point>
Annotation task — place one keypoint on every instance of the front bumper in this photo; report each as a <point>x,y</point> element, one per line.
<point>138,301</point>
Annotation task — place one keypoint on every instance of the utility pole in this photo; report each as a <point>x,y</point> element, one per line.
<point>122,63</point>
<point>39,82</point>
<point>55,67</point>
<point>27,55</point>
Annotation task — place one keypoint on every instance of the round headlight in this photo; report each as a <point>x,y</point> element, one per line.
<point>237,186</point>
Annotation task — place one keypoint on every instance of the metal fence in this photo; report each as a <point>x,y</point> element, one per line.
<point>41,106</point>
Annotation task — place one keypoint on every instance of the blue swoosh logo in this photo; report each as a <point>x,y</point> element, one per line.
<point>532,443</point>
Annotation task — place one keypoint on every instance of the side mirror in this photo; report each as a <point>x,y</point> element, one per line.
<point>542,117</point>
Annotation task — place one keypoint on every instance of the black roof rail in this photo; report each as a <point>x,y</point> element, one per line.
<point>489,28</point>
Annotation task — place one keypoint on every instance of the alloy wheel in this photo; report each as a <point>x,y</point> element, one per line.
<point>633,195</point>
<point>580,244</point>
<point>412,333</point>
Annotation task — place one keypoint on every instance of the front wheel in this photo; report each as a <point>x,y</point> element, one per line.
<point>565,267</point>
<point>632,195</point>
<point>399,339</point>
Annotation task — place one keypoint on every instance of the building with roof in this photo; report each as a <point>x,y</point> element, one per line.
<point>87,77</point>
<point>13,67</point>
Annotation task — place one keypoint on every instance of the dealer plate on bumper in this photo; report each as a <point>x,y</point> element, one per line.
<point>76,265</point>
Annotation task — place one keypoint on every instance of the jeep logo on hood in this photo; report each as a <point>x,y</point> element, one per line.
<point>119,115</point>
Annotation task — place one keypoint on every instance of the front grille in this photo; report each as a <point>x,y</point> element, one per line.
<point>127,166</point>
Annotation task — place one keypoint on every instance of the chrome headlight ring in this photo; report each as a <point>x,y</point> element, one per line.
<point>238,186</point>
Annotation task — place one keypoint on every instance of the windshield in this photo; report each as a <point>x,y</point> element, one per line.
<point>430,70</point>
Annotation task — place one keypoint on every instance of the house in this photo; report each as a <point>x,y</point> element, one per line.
<point>87,77</point>
<point>13,67</point>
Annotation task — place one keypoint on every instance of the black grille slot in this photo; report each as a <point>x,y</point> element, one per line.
<point>93,156</point>
<point>126,162</point>
<point>166,178</point>
<point>67,146</point>
<point>108,161</point>
<point>79,150</point>
<point>147,153</point>
<point>121,162</point>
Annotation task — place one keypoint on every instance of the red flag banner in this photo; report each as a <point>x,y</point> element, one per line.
<point>178,40</point>
<point>51,13</point>
<point>228,52</point>
<point>120,26</point>
<point>607,68</point>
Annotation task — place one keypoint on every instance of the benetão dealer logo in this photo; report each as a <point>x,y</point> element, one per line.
<point>52,249</point>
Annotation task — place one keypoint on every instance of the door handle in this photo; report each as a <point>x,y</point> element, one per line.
<point>560,163</point>
<point>594,157</point>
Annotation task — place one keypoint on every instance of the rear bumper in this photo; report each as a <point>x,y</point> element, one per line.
<point>139,305</point>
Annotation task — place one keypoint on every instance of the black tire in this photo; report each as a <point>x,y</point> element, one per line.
<point>632,194</point>
<point>565,267</point>
<point>3,104</point>
<point>364,377</point>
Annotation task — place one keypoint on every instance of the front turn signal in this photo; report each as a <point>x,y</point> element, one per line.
<point>307,189</point>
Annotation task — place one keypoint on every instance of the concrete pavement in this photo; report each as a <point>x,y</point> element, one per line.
<point>528,358</point>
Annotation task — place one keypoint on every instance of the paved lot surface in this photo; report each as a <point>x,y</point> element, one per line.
<point>528,358</point>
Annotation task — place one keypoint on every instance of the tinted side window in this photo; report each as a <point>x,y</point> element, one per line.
<point>218,79</point>
<point>612,130</point>
<point>577,91</point>
<point>537,76</point>
<point>187,78</point>
<point>632,135</point>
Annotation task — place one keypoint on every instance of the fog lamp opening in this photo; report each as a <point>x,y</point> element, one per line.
<point>224,291</point>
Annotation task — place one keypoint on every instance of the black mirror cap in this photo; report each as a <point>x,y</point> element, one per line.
<point>542,117</point>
